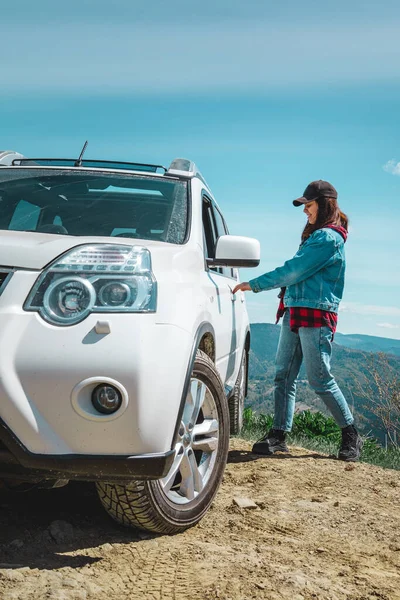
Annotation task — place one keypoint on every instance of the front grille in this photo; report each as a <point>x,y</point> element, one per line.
<point>5,277</point>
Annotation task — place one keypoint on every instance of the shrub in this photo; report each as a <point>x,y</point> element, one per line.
<point>315,431</point>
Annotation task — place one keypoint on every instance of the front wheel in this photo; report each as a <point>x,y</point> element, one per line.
<point>182,497</point>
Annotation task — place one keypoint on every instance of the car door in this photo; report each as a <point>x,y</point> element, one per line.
<point>219,282</point>
<point>239,298</point>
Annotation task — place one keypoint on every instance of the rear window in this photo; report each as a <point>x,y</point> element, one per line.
<point>93,204</point>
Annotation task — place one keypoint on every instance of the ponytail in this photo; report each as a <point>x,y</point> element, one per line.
<point>344,220</point>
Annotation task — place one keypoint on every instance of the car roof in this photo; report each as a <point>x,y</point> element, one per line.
<point>180,168</point>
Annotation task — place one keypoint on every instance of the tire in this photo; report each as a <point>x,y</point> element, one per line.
<point>236,399</point>
<point>181,499</point>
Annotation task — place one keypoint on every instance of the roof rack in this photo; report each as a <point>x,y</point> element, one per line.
<point>182,167</point>
<point>8,156</point>
<point>179,167</point>
<point>100,164</point>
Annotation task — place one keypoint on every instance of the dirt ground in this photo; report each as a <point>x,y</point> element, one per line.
<point>322,530</point>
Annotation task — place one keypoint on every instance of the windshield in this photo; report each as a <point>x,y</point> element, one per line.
<point>93,204</point>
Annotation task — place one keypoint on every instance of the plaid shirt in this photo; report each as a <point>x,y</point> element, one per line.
<point>309,317</point>
<point>306,317</point>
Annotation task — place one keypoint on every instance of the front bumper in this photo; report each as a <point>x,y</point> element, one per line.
<point>42,366</point>
<point>17,462</point>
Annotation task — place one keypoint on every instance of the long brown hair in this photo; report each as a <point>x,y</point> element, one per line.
<point>329,213</point>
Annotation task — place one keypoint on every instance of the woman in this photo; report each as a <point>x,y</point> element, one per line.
<point>312,283</point>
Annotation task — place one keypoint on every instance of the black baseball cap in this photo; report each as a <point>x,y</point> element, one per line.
<point>315,190</point>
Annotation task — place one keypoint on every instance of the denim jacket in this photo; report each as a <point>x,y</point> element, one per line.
<point>314,277</point>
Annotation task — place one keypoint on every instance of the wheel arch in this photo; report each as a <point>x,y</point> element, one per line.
<point>207,344</point>
<point>205,335</point>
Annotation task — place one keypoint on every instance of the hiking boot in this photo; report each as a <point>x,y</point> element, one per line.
<point>273,441</point>
<point>352,443</point>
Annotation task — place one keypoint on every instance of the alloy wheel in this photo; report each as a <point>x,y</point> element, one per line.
<point>195,448</point>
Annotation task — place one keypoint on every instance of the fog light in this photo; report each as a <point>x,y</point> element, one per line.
<point>106,399</point>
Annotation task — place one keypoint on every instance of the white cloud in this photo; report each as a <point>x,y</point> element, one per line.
<point>369,309</point>
<point>392,167</point>
<point>388,325</point>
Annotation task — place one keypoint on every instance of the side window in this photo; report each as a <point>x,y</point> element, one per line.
<point>26,216</point>
<point>210,232</point>
<point>222,229</point>
<point>214,226</point>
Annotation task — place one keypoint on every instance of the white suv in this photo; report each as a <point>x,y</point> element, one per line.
<point>123,350</point>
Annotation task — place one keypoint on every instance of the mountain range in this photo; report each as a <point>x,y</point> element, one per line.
<point>368,343</point>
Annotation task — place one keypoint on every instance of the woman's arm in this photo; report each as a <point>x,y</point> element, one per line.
<point>310,258</point>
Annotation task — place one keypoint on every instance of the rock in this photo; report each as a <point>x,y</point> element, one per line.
<point>243,502</point>
<point>336,503</point>
<point>106,547</point>
<point>350,467</point>
<point>61,531</point>
<point>321,550</point>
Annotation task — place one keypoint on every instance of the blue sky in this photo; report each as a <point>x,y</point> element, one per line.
<point>264,96</point>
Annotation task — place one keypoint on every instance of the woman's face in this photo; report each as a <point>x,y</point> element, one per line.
<point>311,210</point>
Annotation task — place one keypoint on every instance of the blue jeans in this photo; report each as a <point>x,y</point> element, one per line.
<point>315,346</point>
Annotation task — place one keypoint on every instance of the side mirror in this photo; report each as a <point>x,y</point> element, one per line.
<point>236,251</point>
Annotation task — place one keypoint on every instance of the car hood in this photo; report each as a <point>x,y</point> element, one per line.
<point>35,251</point>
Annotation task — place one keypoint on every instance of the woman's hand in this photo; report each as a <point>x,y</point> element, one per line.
<point>244,287</point>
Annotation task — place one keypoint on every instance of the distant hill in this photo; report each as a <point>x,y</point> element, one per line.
<point>369,343</point>
<point>351,367</point>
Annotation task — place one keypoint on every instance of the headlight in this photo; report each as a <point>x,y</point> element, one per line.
<point>116,294</point>
<point>100,278</point>
<point>69,299</point>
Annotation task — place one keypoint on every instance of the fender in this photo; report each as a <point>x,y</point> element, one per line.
<point>247,340</point>
<point>203,328</point>
<point>246,348</point>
